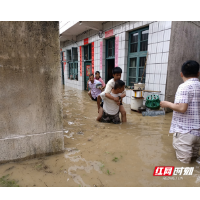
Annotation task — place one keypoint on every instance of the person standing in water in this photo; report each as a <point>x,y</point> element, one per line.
<point>94,90</point>
<point>98,78</point>
<point>117,71</point>
<point>185,124</point>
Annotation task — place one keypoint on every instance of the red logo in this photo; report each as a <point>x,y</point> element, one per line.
<point>163,171</point>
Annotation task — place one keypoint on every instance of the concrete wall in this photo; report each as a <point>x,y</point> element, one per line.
<point>30,98</point>
<point>184,45</point>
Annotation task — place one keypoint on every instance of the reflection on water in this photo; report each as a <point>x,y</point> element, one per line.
<point>99,154</point>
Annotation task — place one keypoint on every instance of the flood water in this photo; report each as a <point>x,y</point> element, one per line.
<point>104,155</point>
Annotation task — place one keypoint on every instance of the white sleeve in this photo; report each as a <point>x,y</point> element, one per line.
<point>108,87</point>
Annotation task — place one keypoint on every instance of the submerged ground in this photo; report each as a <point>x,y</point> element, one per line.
<point>98,154</point>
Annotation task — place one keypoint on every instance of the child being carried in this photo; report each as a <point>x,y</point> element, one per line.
<point>110,107</point>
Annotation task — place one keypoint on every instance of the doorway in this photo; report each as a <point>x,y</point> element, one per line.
<point>87,72</point>
<point>110,66</point>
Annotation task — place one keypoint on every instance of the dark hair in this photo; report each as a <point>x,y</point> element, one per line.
<point>98,72</point>
<point>91,75</point>
<point>117,70</point>
<point>119,84</point>
<point>190,68</point>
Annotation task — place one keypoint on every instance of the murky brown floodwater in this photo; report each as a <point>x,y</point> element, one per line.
<point>137,147</point>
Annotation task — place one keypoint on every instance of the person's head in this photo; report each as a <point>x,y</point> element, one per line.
<point>91,77</point>
<point>97,75</point>
<point>190,69</point>
<point>119,86</point>
<point>117,71</point>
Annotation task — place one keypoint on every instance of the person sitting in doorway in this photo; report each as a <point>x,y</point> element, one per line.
<point>117,71</point>
<point>94,92</point>
<point>110,107</point>
<point>98,77</point>
<point>185,124</point>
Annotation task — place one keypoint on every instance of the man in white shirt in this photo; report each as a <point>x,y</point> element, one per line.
<point>186,114</point>
<point>110,107</point>
<point>117,71</point>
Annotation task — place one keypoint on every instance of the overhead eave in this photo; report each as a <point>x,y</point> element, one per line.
<point>70,29</point>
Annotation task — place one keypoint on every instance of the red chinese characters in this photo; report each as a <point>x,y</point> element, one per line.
<point>116,50</point>
<point>109,33</point>
<point>163,171</point>
<point>85,41</point>
<point>92,47</point>
<point>80,60</point>
<point>64,59</point>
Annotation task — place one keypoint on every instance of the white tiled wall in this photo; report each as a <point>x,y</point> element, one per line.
<point>158,51</point>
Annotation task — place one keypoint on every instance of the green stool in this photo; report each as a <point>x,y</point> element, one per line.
<point>153,102</point>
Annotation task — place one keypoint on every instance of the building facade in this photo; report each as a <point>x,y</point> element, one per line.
<point>87,47</point>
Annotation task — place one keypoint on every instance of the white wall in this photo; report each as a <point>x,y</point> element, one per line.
<point>158,50</point>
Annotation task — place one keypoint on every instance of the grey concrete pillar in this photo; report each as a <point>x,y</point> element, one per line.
<point>30,94</point>
<point>184,45</point>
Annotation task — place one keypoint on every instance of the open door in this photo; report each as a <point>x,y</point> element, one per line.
<point>87,72</point>
<point>110,66</point>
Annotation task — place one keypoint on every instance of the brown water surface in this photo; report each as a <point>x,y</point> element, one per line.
<point>99,154</point>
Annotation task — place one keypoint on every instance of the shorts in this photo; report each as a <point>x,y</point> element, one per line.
<point>106,118</point>
<point>94,99</point>
<point>102,104</point>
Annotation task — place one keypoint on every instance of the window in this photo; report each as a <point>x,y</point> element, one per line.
<point>74,54</point>
<point>110,48</point>
<point>73,71</point>
<point>138,43</point>
<point>72,58</point>
<point>69,55</point>
<point>87,52</point>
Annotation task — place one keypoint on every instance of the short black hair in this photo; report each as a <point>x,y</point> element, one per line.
<point>91,75</point>
<point>97,72</point>
<point>117,70</point>
<point>190,68</point>
<point>119,84</point>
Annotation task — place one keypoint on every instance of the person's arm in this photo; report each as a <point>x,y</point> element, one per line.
<point>101,80</point>
<point>116,99</point>
<point>103,88</point>
<point>182,98</point>
<point>180,107</point>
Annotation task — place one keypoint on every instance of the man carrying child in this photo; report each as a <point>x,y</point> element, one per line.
<point>117,71</point>
<point>110,108</point>
<point>185,124</point>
